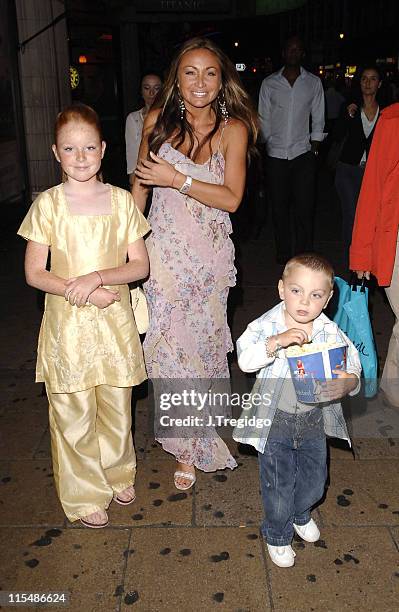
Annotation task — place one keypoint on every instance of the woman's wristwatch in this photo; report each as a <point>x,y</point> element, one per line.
<point>272,354</point>
<point>186,185</point>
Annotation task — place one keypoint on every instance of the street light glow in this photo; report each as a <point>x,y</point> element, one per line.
<point>341,35</point>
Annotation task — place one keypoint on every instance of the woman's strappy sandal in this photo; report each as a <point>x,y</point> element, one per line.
<point>188,475</point>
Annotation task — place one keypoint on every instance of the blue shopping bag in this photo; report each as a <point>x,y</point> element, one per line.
<point>351,314</point>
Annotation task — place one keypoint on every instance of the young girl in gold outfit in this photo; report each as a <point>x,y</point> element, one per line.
<point>89,352</point>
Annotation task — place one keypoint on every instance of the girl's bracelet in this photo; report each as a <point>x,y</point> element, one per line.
<point>101,279</point>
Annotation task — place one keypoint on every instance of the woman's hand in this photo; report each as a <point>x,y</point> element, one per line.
<point>362,274</point>
<point>352,108</point>
<point>102,298</point>
<point>77,290</point>
<point>158,172</point>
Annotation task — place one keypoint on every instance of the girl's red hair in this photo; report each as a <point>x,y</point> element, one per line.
<point>77,112</point>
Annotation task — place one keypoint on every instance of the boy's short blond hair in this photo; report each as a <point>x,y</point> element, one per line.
<point>314,262</point>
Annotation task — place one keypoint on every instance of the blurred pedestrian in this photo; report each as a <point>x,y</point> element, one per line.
<point>375,246</point>
<point>353,136</point>
<point>150,86</point>
<point>334,100</point>
<point>288,99</point>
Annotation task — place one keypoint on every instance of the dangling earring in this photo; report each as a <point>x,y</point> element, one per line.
<point>182,107</point>
<point>223,107</point>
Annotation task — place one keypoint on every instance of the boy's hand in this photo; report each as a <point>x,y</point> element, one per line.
<point>104,297</point>
<point>291,336</point>
<point>340,386</point>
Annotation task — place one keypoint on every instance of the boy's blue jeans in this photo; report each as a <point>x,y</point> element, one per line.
<point>293,473</point>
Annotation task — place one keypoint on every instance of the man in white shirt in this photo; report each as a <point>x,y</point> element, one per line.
<point>288,100</point>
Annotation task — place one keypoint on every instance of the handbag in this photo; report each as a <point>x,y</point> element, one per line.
<point>140,309</point>
<point>351,314</point>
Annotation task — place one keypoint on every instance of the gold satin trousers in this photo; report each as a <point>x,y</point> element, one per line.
<point>91,446</point>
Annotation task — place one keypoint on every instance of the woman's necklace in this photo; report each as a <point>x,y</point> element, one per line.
<point>370,111</point>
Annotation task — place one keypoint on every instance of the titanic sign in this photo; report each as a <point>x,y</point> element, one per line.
<point>178,6</point>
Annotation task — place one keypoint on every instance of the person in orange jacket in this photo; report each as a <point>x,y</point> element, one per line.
<point>375,246</point>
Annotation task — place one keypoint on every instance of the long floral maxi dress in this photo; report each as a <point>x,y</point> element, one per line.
<point>191,270</point>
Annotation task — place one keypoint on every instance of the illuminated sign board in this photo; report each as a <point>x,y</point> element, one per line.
<point>240,67</point>
<point>73,77</point>
<point>350,71</point>
<point>182,6</point>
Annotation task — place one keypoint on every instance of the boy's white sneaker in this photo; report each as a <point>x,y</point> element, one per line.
<point>283,556</point>
<point>309,532</point>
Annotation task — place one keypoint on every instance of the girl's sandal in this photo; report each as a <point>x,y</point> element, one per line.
<point>88,523</point>
<point>126,502</point>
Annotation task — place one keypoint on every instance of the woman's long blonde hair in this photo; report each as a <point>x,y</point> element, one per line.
<point>170,125</point>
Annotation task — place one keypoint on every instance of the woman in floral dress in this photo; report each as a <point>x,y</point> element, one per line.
<point>194,153</point>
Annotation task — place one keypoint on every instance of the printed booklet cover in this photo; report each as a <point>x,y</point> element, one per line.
<point>311,365</point>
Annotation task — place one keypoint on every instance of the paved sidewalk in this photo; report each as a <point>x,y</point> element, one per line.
<point>200,550</point>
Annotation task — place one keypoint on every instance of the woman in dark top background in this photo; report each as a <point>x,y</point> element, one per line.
<point>355,129</point>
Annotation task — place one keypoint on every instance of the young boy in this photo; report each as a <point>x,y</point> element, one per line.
<point>292,441</point>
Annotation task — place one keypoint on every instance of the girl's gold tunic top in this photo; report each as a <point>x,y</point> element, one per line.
<point>84,347</point>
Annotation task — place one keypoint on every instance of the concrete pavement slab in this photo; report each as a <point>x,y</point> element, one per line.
<point>362,493</point>
<point>217,495</point>
<point>350,569</point>
<point>18,444</point>
<point>21,353</point>
<point>22,312</point>
<point>87,563</point>
<point>374,419</point>
<point>369,448</point>
<point>27,494</point>
<point>18,388</point>
<point>142,419</point>
<point>195,570</point>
